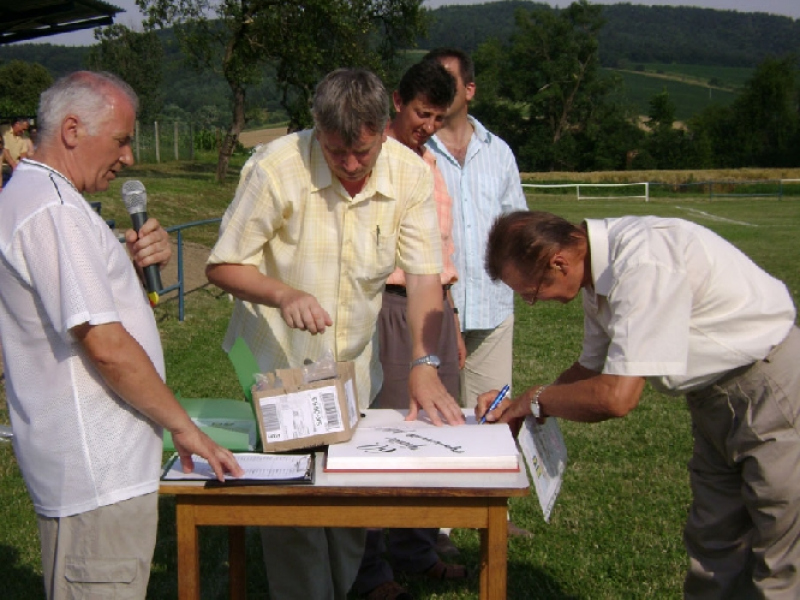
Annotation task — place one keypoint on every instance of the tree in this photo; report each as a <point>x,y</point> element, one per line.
<point>23,83</point>
<point>662,111</point>
<point>666,146</point>
<point>767,113</point>
<point>548,79</point>
<point>301,39</point>
<point>137,58</point>
<point>762,126</point>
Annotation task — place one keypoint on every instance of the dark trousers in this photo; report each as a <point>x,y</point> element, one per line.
<point>411,550</point>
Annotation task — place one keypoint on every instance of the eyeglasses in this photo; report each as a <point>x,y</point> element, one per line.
<point>531,299</point>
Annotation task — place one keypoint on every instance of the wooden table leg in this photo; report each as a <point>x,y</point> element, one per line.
<point>237,571</point>
<point>494,551</point>
<point>188,552</point>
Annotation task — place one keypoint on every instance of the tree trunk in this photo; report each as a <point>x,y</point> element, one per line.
<point>232,135</point>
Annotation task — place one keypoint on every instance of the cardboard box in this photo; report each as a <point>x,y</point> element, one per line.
<point>303,415</point>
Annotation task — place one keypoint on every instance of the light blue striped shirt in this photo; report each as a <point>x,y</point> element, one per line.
<point>486,186</point>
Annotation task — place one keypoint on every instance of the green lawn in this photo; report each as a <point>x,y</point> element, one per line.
<point>615,532</point>
<point>689,98</point>
<point>726,77</point>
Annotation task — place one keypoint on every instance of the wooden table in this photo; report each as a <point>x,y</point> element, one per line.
<point>468,500</point>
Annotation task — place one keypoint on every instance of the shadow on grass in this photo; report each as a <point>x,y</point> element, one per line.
<point>19,582</point>
<point>523,582</point>
<point>214,582</point>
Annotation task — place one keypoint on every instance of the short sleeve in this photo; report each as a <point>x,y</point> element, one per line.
<point>419,247</point>
<point>650,307</point>
<point>76,277</point>
<point>595,338</point>
<point>250,221</point>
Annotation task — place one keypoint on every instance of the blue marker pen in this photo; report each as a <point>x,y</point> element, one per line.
<point>496,402</point>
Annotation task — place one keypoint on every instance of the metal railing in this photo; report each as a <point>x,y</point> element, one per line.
<point>180,286</point>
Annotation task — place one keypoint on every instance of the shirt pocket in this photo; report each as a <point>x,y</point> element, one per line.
<point>374,243</point>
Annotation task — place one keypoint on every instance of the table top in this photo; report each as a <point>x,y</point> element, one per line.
<point>354,484</point>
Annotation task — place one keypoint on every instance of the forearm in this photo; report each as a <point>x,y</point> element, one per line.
<point>596,398</point>
<point>128,371</point>
<point>247,283</point>
<point>424,313</point>
<point>576,372</point>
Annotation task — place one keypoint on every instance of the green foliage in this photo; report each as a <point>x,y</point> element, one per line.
<point>665,147</point>
<point>662,111</point>
<point>545,94</point>
<point>762,126</point>
<point>22,84</point>
<point>636,34</point>
<point>59,60</point>
<point>698,36</point>
<point>206,139</point>
<point>135,57</point>
<point>301,40</point>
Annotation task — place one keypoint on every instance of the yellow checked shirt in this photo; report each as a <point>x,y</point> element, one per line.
<point>294,221</point>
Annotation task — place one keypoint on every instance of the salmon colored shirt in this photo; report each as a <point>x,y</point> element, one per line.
<point>444,210</point>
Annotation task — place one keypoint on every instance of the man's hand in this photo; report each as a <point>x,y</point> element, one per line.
<point>427,393</point>
<point>506,411</point>
<point>150,246</point>
<point>194,441</point>
<point>301,310</point>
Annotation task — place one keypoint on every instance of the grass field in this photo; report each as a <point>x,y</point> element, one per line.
<point>725,77</point>
<point>689,98</point>
<point>615,532</point>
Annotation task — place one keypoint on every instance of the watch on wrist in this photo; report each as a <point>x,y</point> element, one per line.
<point>536,409</point>
<point>430,359</point>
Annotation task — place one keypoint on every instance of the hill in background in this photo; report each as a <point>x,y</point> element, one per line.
<point>698,55</point>
<point>637,33</point>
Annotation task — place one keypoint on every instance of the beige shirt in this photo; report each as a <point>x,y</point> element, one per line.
<point>293,220</point>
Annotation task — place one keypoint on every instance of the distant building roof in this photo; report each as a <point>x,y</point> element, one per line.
<point>28,19</point>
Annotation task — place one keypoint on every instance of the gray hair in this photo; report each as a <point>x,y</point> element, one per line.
<point>347,100</point>
<point>85,94</point>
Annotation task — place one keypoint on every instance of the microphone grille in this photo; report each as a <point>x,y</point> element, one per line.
<point>134,196</point>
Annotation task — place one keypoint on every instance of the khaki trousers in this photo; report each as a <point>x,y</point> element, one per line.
<point>489,361</point>
<point>743,530</point>
<point>102,553</point>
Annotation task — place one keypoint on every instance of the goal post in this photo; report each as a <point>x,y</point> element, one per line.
<point>599,191</point>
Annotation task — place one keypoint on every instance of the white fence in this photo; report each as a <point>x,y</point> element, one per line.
<point>591,191</point>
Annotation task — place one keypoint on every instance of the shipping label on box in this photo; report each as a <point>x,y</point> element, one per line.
<point>301,415</point>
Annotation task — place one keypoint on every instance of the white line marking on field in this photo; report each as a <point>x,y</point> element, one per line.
<point>711,217</point>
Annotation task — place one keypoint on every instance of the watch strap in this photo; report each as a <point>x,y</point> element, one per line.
<point>536,409</point>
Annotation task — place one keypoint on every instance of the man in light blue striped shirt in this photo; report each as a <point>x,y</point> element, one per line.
<point>483,178</point>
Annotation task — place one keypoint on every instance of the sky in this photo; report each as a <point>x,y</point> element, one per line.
<point>132,17</point>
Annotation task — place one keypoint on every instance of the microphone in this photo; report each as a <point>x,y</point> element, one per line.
<point>135,198</point>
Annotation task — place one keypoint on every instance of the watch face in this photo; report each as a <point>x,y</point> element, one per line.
<point>434,361</point>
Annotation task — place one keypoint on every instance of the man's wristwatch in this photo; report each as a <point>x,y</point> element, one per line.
<point>430,359</point>
<point>536,409</point>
